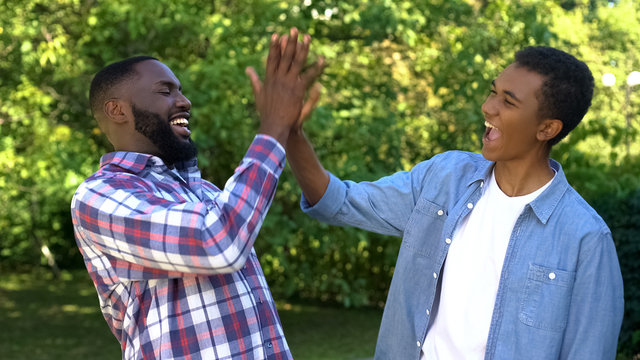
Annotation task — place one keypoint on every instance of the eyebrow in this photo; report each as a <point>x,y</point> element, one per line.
<point>511,94</point>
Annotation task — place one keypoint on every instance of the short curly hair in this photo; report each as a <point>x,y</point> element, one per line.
<point>111,76</point>
<point>567,90</point>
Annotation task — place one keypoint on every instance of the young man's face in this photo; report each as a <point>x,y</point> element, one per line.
<point>511,115</point>
<point>161,112</point>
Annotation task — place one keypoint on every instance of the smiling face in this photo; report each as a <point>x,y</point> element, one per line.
<point>512,117</point>
<point>160,114</point>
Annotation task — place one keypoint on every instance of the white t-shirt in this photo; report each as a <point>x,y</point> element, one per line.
<point>462,312</point>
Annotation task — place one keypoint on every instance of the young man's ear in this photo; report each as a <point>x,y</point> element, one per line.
<point>548,129</point>
<point>114,111</point>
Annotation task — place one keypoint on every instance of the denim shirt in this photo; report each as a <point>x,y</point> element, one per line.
<point>560,294</point>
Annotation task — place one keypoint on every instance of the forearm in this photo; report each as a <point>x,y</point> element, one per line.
<point>156,235</point>
<point>309,172</point>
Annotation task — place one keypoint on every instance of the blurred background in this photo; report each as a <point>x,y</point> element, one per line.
<point>405,81</point>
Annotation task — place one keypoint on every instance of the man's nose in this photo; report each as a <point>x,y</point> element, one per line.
<point>183,103</point>
<point>488,107</point>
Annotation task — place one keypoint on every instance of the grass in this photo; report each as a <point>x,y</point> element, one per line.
<point>47,319</point>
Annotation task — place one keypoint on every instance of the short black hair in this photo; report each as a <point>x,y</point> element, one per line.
<point>110,76</point>
<point>567,90</point>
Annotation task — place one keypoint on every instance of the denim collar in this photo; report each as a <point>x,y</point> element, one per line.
<point>544,204</point>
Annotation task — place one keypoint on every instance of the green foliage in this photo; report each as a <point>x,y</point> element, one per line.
<point>405,81</point>
<point>622,214</point>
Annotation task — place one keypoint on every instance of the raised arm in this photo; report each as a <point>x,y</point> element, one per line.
<point>309,172</point>
<point>120,219</point>
<point>144,235</point>
<point>305,165</point>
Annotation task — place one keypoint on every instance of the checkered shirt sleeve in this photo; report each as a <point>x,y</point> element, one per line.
<point>173,263</point>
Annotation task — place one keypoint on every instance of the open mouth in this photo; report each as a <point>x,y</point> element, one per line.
<point>179,122</point>
<point>491,133</point>
<point>179,125</point>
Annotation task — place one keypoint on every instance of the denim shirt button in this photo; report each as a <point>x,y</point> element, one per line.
<point>552,276</point>
<point>470,205</point>
<point>435,276</point>
<point>428,312</point>
<point>448,240</point>
<point>418,343</point>
<point>440,212</point>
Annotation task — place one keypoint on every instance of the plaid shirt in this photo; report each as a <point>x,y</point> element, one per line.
<point>172,256</point>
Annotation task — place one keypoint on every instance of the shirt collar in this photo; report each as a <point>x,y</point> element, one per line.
<point>135,162</point>
<point>483,173</point>
<point>544,204</point>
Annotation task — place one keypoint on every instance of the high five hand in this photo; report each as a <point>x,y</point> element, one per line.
<point>280,99</point>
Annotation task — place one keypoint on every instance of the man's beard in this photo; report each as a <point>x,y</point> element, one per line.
<point>159,132</point>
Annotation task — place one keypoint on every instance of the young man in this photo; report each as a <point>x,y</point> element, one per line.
<point>170,254</point>
<point>500,257</point>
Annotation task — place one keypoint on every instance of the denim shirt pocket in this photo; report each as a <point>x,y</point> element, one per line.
<point>546,298</point>
<point>424,227</point>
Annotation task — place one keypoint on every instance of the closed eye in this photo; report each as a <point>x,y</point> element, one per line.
<point>506,100</point>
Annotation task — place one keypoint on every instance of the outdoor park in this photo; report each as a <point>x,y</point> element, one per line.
<point>405,81</point>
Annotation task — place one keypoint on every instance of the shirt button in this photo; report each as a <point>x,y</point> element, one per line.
<point>552,276</point>
<point>470,205</point>
<point>435,276</point>
<point>440,212</point>
<point>481,183</point>
<point>418,343</point>
<point>448,241</point>
<point>269,345</point>
<point>428,312</point>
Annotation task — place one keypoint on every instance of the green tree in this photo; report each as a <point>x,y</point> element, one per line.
<point>405,81</point>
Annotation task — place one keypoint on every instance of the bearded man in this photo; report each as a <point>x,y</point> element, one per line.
<point>171,254</point>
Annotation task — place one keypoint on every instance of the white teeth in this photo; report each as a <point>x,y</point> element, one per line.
<point>179,121</point>
<point>489,125</point>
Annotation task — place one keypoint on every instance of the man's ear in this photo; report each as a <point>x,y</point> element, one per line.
<point>114,111</point>
<point>548,129</point>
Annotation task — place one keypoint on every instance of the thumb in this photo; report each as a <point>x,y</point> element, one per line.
<point>310,104</point>
<point>256,84</point>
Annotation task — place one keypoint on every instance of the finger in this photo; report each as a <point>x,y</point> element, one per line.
<point>312,101</point>
<point>302,52</point>
<point>289,51</point>
<point>256,84</point>
<point>312,73</point>
<point>273,59</point>
<point>283,44</point>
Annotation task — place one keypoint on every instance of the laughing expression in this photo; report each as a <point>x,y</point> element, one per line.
<point>171,138</point>
<point>511,115</point>
<point>161,113</point>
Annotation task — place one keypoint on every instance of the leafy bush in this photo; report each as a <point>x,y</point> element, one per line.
<point>622,214</point>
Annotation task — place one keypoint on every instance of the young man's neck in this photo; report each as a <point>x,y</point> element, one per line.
<point>521,177</point>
